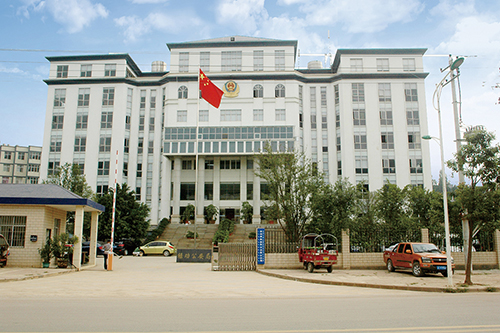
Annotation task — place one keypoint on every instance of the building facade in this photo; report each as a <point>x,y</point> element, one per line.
<point>20,165</point>
<point>360,118</point>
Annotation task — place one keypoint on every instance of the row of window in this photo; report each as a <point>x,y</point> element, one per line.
<point>387,140</point>
<point>258,91</point>
<point>227,191</point>
<point>32,155</point>
<point>85,70</point>
<point>217,147</point>
<point>211,133</point>
<point>231,61</point>
<point>21,167</point>
<point>388,165</point>
<point>231,115</point>
<point>19,180</point>
<point>382,64</point>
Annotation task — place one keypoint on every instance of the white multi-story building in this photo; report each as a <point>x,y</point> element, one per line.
<point>20,165</point>
<point>362,119</point>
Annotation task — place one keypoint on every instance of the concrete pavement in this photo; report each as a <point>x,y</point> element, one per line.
<point>484,280</point>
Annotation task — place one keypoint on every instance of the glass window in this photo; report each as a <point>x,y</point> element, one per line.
<point>389,165</point>
<point>383,65</point>
<point>230,115</point>
<point>59,98</point>
<point>110,70</point>
<point>86,71</point>
<point>258,115</point>
<point>106,119</point>
<point>258,60</point>
<point>358,92</point>
<point>280,115</point>
<point>104,144</point>
<point>387,140</point>
<point>62,71</point>
<point>209,191</point>
<point>13,228</point>
<point>385,114</point>
<point>103,168</point>
<point>411,92</point>
<point>205,61</point>
<point>359,116</point>
<point>409,64</point>
<point>356,65</point>
<point>57,122</point>
<point>360,141</point>
<point>231,61</point>
<point>187,191</point>
<point>182,93</point>
<point>83,97</point>
<point>80,143</point>
<point>183,61</point>
<point>230,191</point>
<point>279,60</point>
<point>414,140</point>
<point>108,96</point>
<point>384,92</point>
<point>279,91</point>
<point>258,91</point>
<point>182,115</point>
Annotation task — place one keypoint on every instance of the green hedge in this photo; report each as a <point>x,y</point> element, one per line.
<point>226,227</point>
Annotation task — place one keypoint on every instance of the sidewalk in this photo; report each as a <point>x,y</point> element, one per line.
<point>484,280</point>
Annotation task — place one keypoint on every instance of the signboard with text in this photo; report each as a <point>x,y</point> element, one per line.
<point>194,255</point>
<point>261,246</point>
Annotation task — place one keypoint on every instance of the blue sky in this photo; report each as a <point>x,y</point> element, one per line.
<point>34,29</point>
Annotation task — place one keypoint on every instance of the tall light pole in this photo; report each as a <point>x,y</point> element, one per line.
<point>449,77</point>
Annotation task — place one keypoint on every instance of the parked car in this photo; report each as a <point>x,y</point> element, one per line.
<point>86,248</point>
<point>421,258</point>
<point>125,246</point>
<point>157,247</point>
<point>4,251</point>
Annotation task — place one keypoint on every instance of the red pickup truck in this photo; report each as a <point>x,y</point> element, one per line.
<point>421,258</point>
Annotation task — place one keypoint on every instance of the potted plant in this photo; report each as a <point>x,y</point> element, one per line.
<point>252,235</point>
<point>247,212</point>
<point>190,235</point>
<point>46,253</point>
<point>62,248</point>
<point>188,213</point>
<point>211,214</point>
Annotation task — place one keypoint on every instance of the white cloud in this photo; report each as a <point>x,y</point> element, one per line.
<point>358,16</point>
<point>74,15</point>
<point>142,2</point>
<point>136,27</point>
<point>244,16</point>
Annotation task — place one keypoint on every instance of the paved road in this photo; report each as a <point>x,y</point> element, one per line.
<point>155,294</point>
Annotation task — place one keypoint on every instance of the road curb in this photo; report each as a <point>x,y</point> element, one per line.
<point>379,286</point>
<point>38,276</point>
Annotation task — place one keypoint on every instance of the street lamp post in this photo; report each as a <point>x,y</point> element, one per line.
<point>436,102</point>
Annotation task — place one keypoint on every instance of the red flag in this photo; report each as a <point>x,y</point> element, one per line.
<point>209,91</point>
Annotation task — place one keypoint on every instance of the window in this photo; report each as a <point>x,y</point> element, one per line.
<point>383,65</point>
<point>55,143</point>
<point>101,190</point>
<point>205,61</point>
<point>209,164</point>
<point>127,122</point>
<point>14,229</point>
<point>151,147</point>
<point>126,145</point>
<point>361,165</point>
<point>384,92</point>
<point>125,169</point>
<point>142,100</point>
<point>249,164</point>
<point>110,70</point>
<point>203,115</point>
<point>52,167</point>
<point>230,191</point>
<point>360,141</point>
<point>280,115</point>
<point>415,165</point>
<point>6,167</point>
<point>389,165</point>
<point>86,71</point>
<point>387,139</point>
<point>106,119</point>
<point>279,60</point>
<point>33,167</point>
<point>152,99</point>
<point>412,116</point>
<point>81,120</point>
<point>108,96</point>
<point>339,142</point>
<point>258,115</point>
<point>358,92</point>
<point>230,164</point>
<point>140,145</point>
<point>411,92</point>
<point>258,60</point>
<point>182,116</point>
<point>409,64</point>
<point>80,143</point>
<point>151,122</point>
<point>35,155</point>
<point>258,91</point>
<point>83,97</point>
<point>414,140</point>
<point>57,122</point>
<point>356,65</point>
<point>104,144</point>
<point>231,61</point>
<point>183,61</point>
<point>230,115</point>
<point>59,98</point>
<point>141,121</point>
<point>187,165</point>
<point>209,191</point>
<point>279,91</point>
<point>182,92</point>
<point>103,168</point>
<point>62,71</point>
<point>7,155</point>
<point>359,116</point>
<point>139,170</point>
<point>187,191</point>
<point>385,114</point>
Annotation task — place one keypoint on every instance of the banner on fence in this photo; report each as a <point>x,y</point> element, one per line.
<point>261,244</point>
<point>194,255</point>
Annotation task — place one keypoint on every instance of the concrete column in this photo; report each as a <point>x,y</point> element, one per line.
<point>346,249</point>
<point>77,250</point>
<point>243,183</point>
<point>217,186</point>
<point>496,238</point>
<point>256,218</point>
<point>93,238</point>
<point>176,179</point>
<point>200,192</point>
<point>425,235</point>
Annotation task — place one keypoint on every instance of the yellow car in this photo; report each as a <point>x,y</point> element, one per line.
<point>157,247</point>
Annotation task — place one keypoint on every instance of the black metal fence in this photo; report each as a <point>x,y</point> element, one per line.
<point>482,241</point>
<point>377,240</point>
<point>276,242</point>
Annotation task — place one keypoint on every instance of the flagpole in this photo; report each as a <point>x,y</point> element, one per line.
<point>196,161</point>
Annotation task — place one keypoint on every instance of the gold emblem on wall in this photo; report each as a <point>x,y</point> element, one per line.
<point>231,89</point>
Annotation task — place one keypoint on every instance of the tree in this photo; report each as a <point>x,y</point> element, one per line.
<point>247,212</point>
<point>480,161</point>
<point>130,215</point>
<point>291,180</point>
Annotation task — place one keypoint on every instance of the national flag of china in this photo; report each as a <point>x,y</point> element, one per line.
<point>209,91</point>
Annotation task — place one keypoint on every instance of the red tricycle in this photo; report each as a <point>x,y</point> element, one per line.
<point>318,251</point>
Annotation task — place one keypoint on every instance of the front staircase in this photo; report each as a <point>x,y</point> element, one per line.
<point>176,234</point>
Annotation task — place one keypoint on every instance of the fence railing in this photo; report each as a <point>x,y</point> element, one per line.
<point>236,257</point>
<point>276,242</point>
<point>378,240</point>
<point>482,241</point>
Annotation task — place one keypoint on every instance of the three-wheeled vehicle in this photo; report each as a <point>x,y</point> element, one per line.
<point>4,251</point>
<point>318,251</point>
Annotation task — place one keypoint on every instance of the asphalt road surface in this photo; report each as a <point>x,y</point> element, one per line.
<point>156,294</point>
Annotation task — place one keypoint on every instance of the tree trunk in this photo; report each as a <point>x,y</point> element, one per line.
<point>468,265</point>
